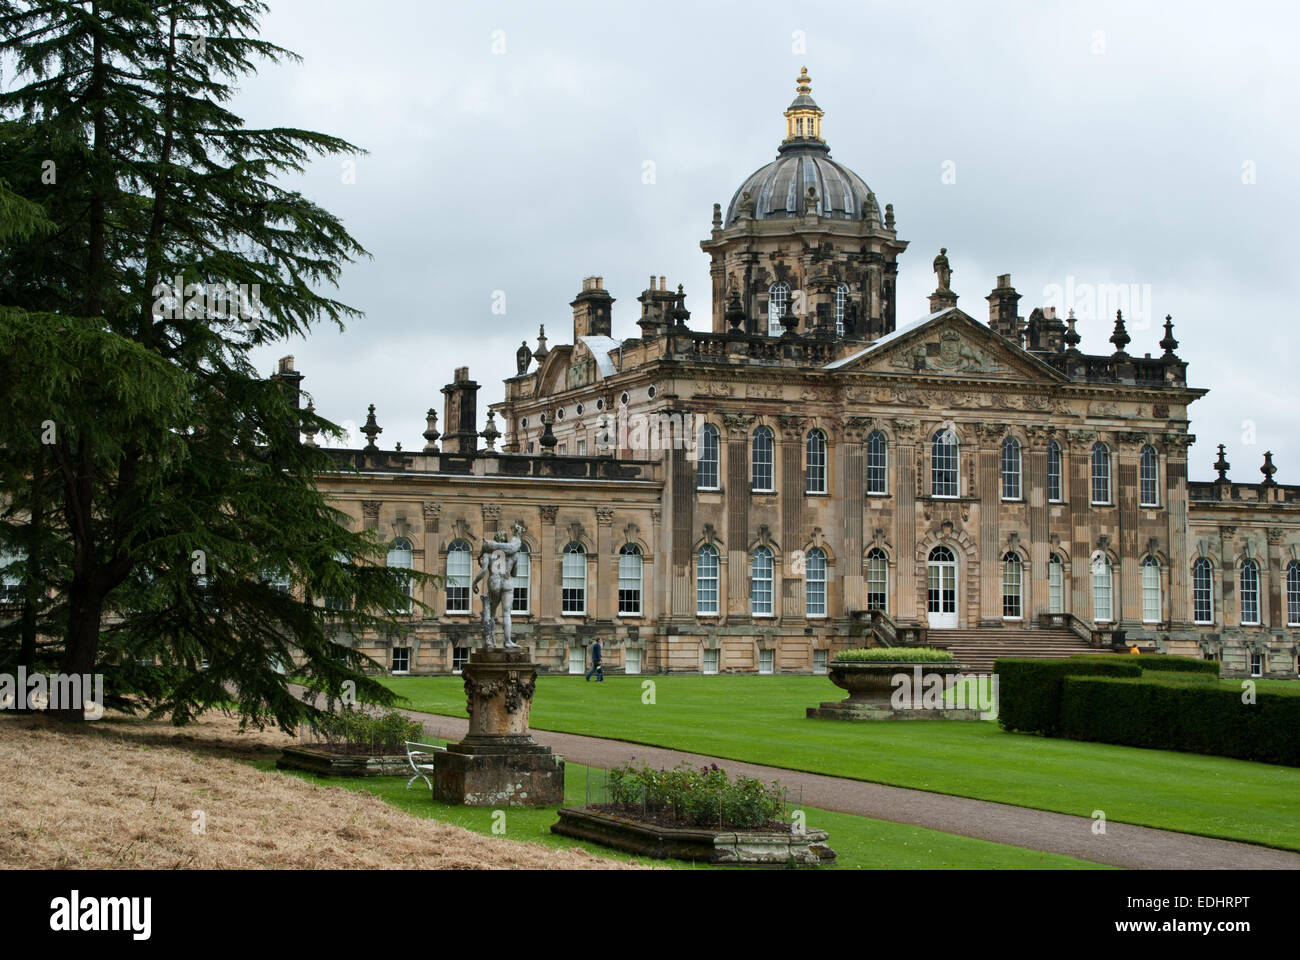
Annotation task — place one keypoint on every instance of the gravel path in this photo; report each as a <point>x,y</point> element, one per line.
<point>1122,845</point>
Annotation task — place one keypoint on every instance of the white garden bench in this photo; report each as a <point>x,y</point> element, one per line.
<point>421,757</point>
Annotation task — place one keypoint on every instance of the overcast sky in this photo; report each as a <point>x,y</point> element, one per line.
<point>1086,144</point>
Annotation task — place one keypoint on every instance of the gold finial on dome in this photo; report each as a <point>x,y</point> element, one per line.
<point>803,119</point>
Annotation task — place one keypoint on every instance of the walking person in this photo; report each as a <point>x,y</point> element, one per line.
<point>596,667</point>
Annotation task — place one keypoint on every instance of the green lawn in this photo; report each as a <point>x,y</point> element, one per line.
<point>761,720</point>
<point>859,842</point>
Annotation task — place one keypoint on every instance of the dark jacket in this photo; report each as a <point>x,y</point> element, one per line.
<point>595,652</point>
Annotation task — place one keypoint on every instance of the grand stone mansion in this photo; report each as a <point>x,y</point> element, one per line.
<point>808,476</point>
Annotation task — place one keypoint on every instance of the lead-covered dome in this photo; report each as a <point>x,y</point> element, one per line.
<point>780,189</point>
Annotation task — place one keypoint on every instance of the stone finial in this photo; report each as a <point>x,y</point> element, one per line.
<point>371,430</point>
<point>680,313</point>
<point>548,442</point>
<point>1072,337</point>
<point>431,433</point>
<point>523,357</point>
<point>1120,337</point>
<point>889,216</point>
<point>540,353</point>
<point>717,216</point>
<point>1168,343</point>
<point>310,428</point>
<point>490,432</point>
<point>1268,470</point>
<point>735,313</point>
<point>1222,465</point>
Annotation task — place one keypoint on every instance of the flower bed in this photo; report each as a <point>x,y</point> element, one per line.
<point>894,655</point>
<point>354,743</point>
<point>691,813</point>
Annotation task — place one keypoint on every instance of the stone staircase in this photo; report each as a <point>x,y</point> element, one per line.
<point>979,648</point>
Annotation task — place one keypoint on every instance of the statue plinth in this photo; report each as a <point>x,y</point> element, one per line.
<point>499,763</point>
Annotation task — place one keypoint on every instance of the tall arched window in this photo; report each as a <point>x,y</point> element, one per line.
<point>1151,605</point>
<point>1100,473</point>
<point>778,299</point>
<point>573,579</point>
<point>706,468</point>
<point>1055,584</point>
<point>1202,591</point>
<point>815,583</point>
<point>522,582</point>
<point>943,464</point>
<point>458,576</point>
<point>1010,469</point>
<point>402,557</point>
<point>877,463</point>
<point>877,580</point>
<point>760,583</point>
<point>1011,587</point>
<point>841,306</point>
<point>706,580</point>
<point>1102,604</point>
<point>1150,476</point>
<point>1293,594</point>
<point>815,468</point>
<point>629,581</point>
<point>1249,593</point>
<point>762,461</point>
<point>1053,471</point>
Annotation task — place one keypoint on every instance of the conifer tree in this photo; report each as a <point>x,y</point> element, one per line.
<point>178,497</point>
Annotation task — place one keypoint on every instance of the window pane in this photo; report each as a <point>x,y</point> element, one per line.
<point>1010,469</point>
<point>876,463</point>
<point>943,469</point>
<point>1293,593</point>
<point>458,577</point>
<point>1202,592</point>
<point>815,583</point>
<point>707,466</point>
<point>1011,586</point>
<point>1100,474</point>
<point>877,580</point>
<point>778,297</point>
<point>816,466</point>
<point>1101,597</point>
<point>1150,590</point>
<point>1055,585</point>
<point>1053,471</point>
<point>1150,474</point>
<point>629,581</point>
<point>573,580</point>
<point>706,580</point>
<point>761,582</point>
<point>1249,592</point>
<point>762,459</point>
<point>521,582</point>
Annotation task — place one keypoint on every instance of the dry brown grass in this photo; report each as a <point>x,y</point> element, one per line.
<point>120,793</point>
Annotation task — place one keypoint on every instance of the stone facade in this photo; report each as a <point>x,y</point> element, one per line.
<point>743,499</point>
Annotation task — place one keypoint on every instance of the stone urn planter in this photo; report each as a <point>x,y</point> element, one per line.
<point>894,690</point>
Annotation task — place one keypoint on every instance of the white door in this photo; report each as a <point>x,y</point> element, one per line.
<point>941,593</point>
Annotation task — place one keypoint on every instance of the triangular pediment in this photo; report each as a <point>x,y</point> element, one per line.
<point>949,342</point>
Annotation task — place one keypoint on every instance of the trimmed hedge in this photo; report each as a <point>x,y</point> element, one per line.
<point>894,655</point>
<point>1157,661</point>
<point>1197,718</point>
<point>1029,691</point>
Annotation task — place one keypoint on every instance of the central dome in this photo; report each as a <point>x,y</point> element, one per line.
<point>780,189</point>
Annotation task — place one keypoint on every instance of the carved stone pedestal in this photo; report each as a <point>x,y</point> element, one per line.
<point>499,763</point>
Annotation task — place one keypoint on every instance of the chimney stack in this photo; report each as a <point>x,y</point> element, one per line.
<point>593,310</point>
<point>460,414</point>
<point>1003,308</point>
